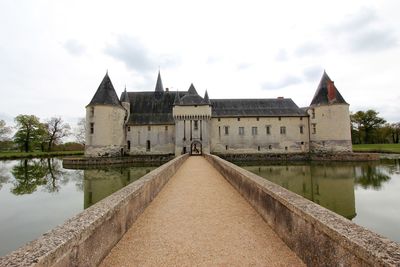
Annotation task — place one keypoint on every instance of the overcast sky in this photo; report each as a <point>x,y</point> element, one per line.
<point>54,54</point>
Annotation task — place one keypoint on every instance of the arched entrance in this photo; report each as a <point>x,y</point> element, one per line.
<point>196,148</point>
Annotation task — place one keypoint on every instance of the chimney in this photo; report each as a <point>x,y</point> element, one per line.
<point>167,89</point>
<point>331,91</point>
<point>280,97</point>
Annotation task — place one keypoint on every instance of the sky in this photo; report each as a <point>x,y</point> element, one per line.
<point>54,54</point>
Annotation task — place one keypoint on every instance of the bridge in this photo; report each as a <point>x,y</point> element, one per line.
<point>203,210</point>
<point>200,219</point>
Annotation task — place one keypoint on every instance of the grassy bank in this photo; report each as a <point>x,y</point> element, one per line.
<point>37,154</point>
<point>378,148</point>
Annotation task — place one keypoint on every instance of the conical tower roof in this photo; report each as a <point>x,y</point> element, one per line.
<point>192,98</point>
<point>159,85</point>
<point>206,98</point>
<point>192,90</point>
<point>177,99</point>
<point>327,93</point>
<point>125,96</point>
<point>105,94</point>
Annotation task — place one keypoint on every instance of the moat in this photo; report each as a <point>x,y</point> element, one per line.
<point>38,194</point>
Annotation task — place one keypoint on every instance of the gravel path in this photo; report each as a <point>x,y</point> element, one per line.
<point>200,219</point>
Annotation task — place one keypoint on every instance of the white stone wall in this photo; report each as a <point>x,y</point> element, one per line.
<point>274,142</point>
<point>332,128</point>
<point>108,136</point>
<point>161,137</point>
<point>186,134</point>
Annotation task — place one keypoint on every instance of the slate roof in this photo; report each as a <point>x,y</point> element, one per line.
<point>321,95</point>
<point>255,107</point>
<point>159,85</point>
<point>125,97</point>
<point>147,108</point>
<point>105,94</point>
<point>192,98</point>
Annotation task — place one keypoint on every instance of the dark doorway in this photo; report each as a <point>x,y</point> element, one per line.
<point>196,148</point>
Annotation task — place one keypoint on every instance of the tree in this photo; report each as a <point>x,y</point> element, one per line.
<point>4,130</point>
<point>80,131</point>
<point>366,123</point>
<point>56,130</point>
<point>30,132</point>
<point>395,130</point>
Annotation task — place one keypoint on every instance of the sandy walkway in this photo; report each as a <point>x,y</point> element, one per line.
<point>200,219</point>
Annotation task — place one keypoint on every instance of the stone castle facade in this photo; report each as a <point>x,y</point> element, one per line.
<point>163,122</point>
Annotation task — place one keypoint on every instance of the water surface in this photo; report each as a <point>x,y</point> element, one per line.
<point>38,194</point>
<point>368,193</point>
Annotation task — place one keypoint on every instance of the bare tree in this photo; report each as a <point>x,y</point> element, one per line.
<point>56,129</point>
<point>4,130</point>
<point>80,131</point>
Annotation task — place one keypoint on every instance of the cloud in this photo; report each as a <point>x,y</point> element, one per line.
<point>281,55</point>
<point>284,82</point>
<point>308,49</point>
<point>74,47</point>
<point>313,73</point>
<point>364,32</point>
<point>243,66</point>
<point>136,57</point>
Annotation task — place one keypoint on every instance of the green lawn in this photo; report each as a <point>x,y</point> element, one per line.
<point>389,148</point>
<point>37,154</point>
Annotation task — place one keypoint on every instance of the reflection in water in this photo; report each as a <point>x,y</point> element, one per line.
<point>99,184</point>
<point>328,186</point>
<point>28,174</point>
<point>31,173</point>
<point>371,176</point>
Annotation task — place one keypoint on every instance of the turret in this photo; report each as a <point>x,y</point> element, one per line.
<point>126,103</point>
<point>329,119</point>
<point>105,122</point>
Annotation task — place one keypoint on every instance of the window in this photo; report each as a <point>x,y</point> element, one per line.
<point>253,130</point>
<point>286,148</point>
<point>226,130</point>
<point>91,111</point>
<point>92,128</point>
<point>166,128</point>
<point>283,130</point>
<point>219,119</point>
<point>313,114</point>
<point>313,128</point>
<point>129,128</point>
<point>149,128</point>
<point>279,118</point>
<point>219,130</point>
<point>226,147</point>
<point>258,118</point>
<point>196,125</point>
<point>129,145</point>
<point>238,119</point>
<point>301,129</point>
<point>268,127</point>
<point>270,147</point>
<point>301,118</point>
<point>258,148</point>
<point>148,145</point>
<point>241,130</point>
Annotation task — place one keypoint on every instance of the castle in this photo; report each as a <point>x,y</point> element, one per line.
<point>163,122</point>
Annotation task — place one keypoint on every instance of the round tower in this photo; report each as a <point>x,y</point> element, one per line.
<point>329,120</point>
<point>105,118</point>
